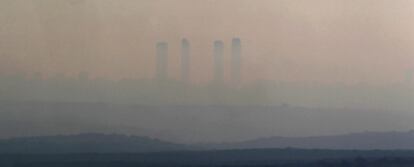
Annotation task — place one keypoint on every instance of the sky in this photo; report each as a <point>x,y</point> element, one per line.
<point>322,41</point>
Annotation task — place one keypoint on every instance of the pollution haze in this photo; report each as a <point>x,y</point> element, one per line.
<point>193,71</point>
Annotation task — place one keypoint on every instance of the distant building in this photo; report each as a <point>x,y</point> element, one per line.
<point>409,76</point>
<point>236,61</point>
<point>185,60</point>
<point>83,76</point>
<point>218,61</point>
<point>162,61</point>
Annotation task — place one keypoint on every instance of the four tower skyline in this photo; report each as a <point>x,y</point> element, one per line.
<point>218,61</point>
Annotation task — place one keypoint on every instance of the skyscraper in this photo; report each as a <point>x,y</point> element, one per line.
<point>162,61</point>
<point>185,60</point>
<point>218,61</point>
<point>236,61</point>
<point>409,76</point>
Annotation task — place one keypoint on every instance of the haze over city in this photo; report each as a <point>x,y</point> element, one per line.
<point>206,70</point>
<point>302,41</point>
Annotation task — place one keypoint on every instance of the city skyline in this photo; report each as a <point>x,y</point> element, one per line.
<point>206,70</point>
<point>293,41</point>
<point>162,61</point>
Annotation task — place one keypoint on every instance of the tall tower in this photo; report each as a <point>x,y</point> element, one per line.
<point>409,76</point>
<point>218,61</point>
<point>162,61</point>
<point>236,61</point>
<point>185,60</point>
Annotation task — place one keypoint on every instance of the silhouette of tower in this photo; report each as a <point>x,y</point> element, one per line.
<point>409,76</point>
<point>185,60</point>
<point>236,61</point>
<point>162,61</point>
<point>218,61</point>
<point>83,76</point>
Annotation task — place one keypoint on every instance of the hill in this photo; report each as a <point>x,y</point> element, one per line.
<point>359,141</point>
<point>87,143</point>
<point>228,158</point>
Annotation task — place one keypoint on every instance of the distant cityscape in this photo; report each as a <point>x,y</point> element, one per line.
<point>164,90</point>
<point>161,73</point>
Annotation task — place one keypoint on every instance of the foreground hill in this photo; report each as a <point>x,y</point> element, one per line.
<point>192,124</point>
<point>102,143</point>
<point>360,141</point>
<point>228,158</point>
<point>86,143</point>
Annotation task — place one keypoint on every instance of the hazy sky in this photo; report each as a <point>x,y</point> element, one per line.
<point>303,41</point>
<point>348,41</point>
